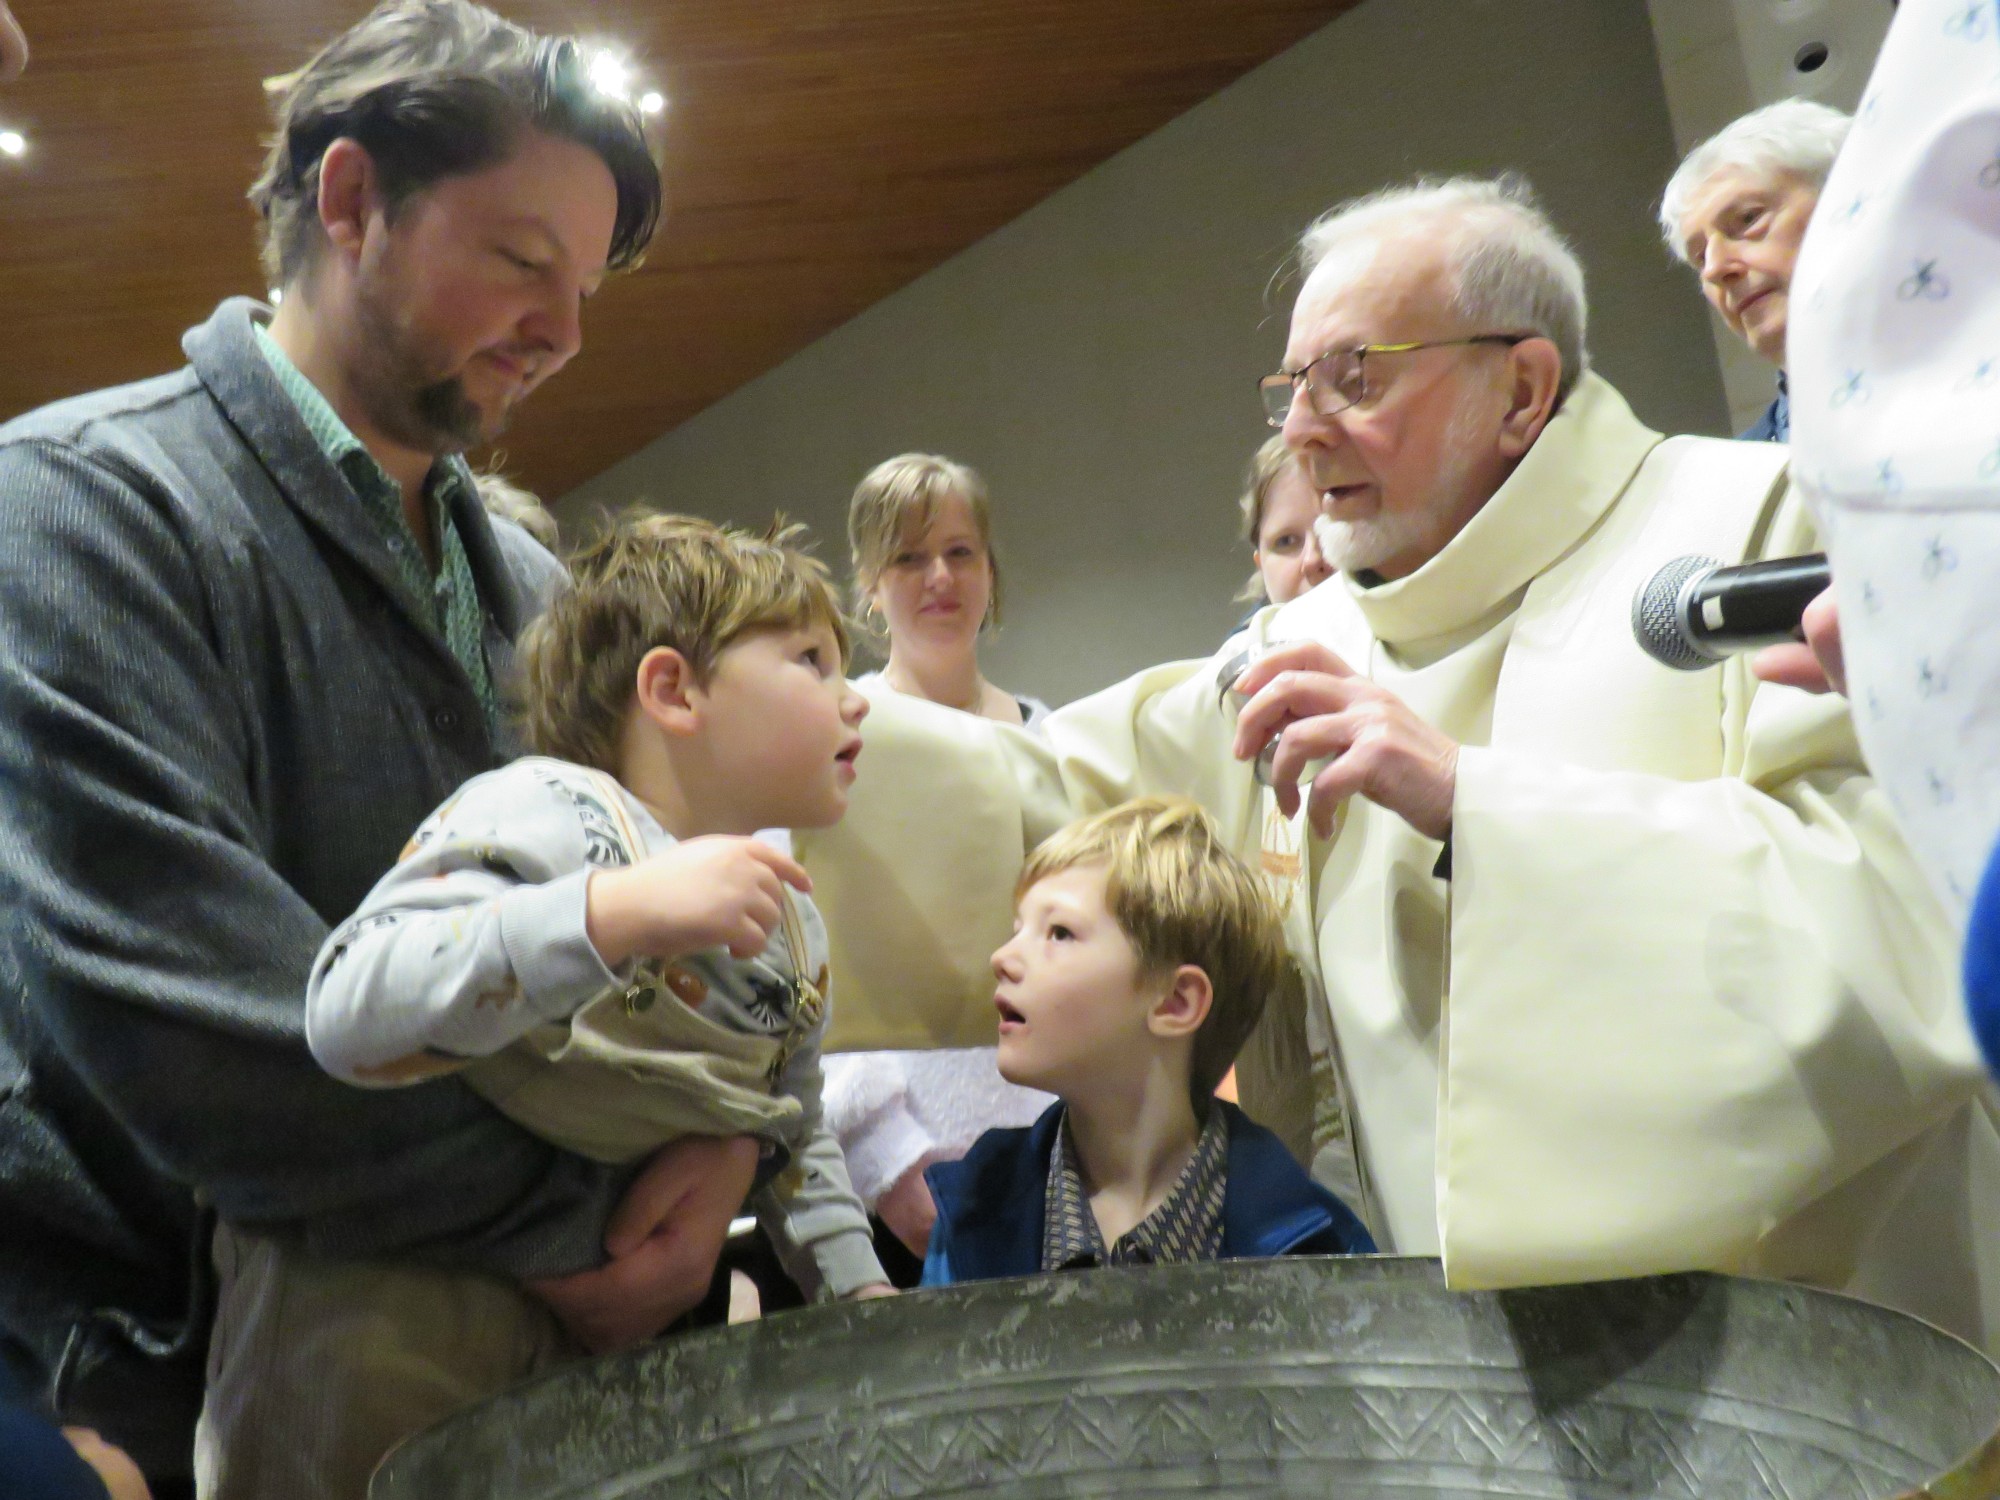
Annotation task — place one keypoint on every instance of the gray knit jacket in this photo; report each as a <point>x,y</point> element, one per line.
<point>221,714</point>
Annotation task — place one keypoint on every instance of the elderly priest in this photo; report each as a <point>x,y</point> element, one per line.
<point>1616,969</point>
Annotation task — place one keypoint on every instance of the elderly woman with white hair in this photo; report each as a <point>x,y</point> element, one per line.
<point>1736,211</point>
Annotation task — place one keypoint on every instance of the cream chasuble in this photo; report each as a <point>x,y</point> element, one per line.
<point>916,883</point>
<point>1685,1000</point>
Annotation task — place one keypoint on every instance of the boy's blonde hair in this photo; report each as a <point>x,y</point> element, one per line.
<point>899,498</point>
<point>1181,897</point>
<point>655,580</point>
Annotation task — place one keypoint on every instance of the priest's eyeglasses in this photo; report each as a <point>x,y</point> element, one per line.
<point>1338,379</point>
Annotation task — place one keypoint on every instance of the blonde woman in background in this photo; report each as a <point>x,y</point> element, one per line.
<point>921,534</point>
<point>924,576</point>
<point>1279,507</point>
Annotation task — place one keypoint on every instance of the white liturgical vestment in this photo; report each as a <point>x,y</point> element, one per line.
<point>1683,999</point>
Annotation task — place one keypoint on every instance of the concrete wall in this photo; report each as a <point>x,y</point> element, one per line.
<point>1096,357</point>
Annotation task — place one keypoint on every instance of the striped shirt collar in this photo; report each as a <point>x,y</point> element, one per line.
<point>335,438</point>
<point>449,598</point>
<point>1187,1226</point>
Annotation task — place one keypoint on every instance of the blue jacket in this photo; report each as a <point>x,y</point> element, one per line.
<point>990,1205</point>
<point>1775,426</point>
<point>36,1461</point>
<point>1982,962</point>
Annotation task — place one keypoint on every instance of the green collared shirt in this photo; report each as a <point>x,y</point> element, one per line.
<point>451,597</point>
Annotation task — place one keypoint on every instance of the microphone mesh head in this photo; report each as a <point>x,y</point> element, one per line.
<point>1656,619</point>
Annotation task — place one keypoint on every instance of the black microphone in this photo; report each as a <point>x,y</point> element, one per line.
<point>1694,611</point>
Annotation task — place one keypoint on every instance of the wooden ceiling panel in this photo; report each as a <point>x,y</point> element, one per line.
<point>819,154</point>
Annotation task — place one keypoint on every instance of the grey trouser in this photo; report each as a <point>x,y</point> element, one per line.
<point>317,1368</point>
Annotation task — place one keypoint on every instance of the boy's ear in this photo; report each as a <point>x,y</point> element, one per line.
<point>1183,1006</point>
<point>666,691</point>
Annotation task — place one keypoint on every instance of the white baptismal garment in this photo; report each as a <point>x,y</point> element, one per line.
<point>1894,350</point>
<point>897,1112</point>
<point>1683,1001</point>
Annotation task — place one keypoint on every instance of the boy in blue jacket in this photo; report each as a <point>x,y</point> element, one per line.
<point>1142,955</point>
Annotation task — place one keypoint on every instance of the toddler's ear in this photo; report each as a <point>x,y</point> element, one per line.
<point>666,691</point>
<point>1184,1004</point>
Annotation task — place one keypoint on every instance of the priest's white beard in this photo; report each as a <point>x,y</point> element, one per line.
<point>1359,546</point>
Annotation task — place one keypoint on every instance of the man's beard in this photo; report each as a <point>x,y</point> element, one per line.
<point>1362,546</point>
<point>1359,546</point>
<point>405,400</point>
<point>451,414</point>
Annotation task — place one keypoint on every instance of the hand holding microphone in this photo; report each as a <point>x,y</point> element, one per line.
<point>1694,611</point>
<point>1817,666</point>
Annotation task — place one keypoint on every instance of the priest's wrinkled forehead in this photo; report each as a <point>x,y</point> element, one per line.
<point>1394,284</point>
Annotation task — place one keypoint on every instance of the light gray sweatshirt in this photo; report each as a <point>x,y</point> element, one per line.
<point>477,937</point>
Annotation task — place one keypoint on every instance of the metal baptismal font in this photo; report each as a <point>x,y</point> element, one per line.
<point>1360,1378</point>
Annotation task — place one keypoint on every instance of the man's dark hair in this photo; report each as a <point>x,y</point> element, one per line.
<point>435,89</point>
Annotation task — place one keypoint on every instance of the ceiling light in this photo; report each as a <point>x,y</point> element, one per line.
<point>610,74</point>
<point>13,143</point>
<point>652,102</point>
<point>277,296</point>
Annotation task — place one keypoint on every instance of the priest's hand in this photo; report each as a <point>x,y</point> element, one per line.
<point>1318,707</point>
